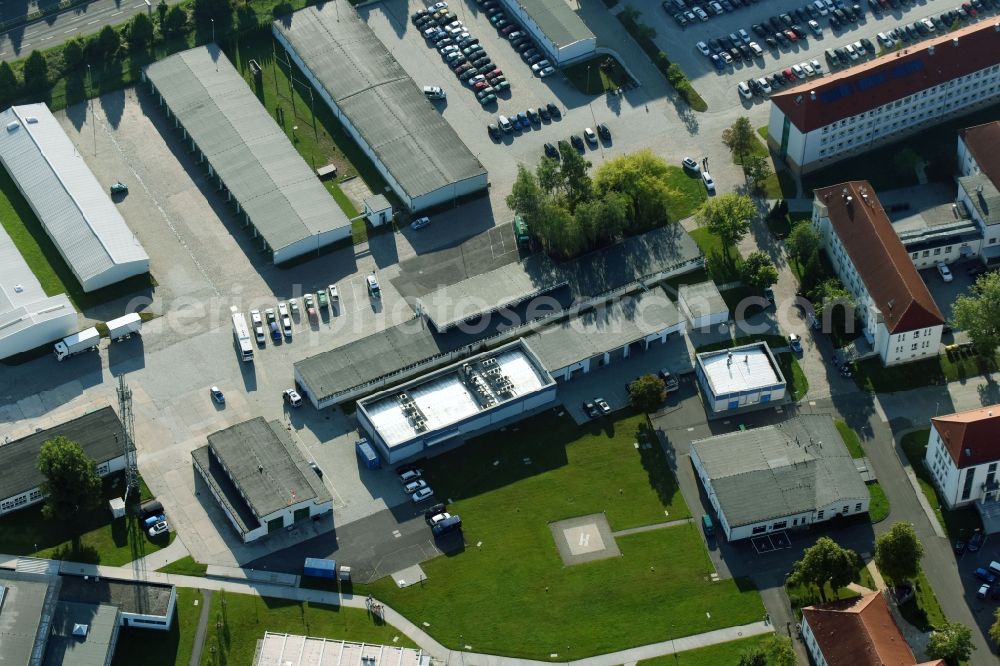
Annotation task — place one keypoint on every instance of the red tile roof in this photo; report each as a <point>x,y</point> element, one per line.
<point>977,430</point>
<point>879,257</point>
<point>860,632</point>
<point>983,142</point>
<point>819,102</point>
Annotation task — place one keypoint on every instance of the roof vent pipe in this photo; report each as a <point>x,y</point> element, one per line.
<point>930,50</point>
<point>954,42</point>
<point>812,94</point>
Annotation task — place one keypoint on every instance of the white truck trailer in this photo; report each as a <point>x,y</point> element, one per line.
<point>125,327</point>
<point>78,342</point>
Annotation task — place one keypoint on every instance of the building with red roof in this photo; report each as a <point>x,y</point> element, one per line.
<point>857,632</point>
<point>827,119</point>
<point>901,320</point>
<point>979,184</point>
<point>963,453</point>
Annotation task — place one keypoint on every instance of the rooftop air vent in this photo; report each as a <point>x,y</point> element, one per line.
<point>11,126</point>
<point>812,94</point>
<point>954,42</point>
<point>80,629</point>
<point>930,50</point>
<point>18,288</point>
<point>31,120</point>
<point>797,99</point>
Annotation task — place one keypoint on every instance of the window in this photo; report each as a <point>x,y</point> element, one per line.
<point>760,529</point>
<point>926,253</point>
<point>845,509</point>
<point>780,525</point>
<point>937,251</point>
<point>857,507</point>
<point>819,515</point>
<point>916,334</point>
<point>969,477</point>
<point>914,347</point>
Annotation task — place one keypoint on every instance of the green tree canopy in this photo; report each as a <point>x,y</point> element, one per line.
<point>995,627</point>
<point>73,54</point>
<point>757,270</point>
<point>72,483</point>
<point>978,313</point>
<point>8,82</point>
<point>175,21</point>
<point>104,45</point>
<point>728,217</point>
<point>753,656</point>
<point>779,649</point>
<point>826,562</point>
<point>953,642</point>
<point>36,72</point>
<point>140,32</point>
<point>803,242</point>
<point>642,179</point>
<point>739,138</point>
<point>204,10</point>
<point>898,552</point>
<point>757,169</point>
<point>647,392</point>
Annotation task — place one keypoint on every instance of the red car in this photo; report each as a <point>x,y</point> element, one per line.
<point>789,74</point>
<point>495,73</point>
<point>792,37</point>
<point>509,29</point>
<point>969,9</point>
<point>479,85</point>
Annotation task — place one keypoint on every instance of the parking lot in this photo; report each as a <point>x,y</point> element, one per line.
<point>719,88</point>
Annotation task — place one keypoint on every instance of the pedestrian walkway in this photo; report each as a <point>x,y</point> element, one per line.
<point>202,630</point>
<point>428,644</point>
<point>650,528</point>
<point>161,558</point>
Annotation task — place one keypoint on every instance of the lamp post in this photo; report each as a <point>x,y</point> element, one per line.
<point>213,28</point>
<point>93,116</point>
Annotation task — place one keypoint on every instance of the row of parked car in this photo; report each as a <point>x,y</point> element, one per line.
<point>687,12</point>
<point>580,144</point>
<point>462,52</point>
<point>764,85</point>
<point>518,37</point>
<point>523,120</point>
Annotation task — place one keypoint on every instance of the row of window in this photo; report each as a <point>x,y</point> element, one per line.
<point>782,524</point>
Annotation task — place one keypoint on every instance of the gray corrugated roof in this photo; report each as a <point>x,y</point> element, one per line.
<point>90,650</point>
<point>557,20</point>
<point>702,299</point>
<point>130,596</point>
<point>283,197</point>
<point>264,462</point>
<point>780,470</point>
<point>603,329</point>
<point>23,622</point>
<point>987,202</point>
<point>94,432</point>
<point>414,142</point>
<point>75,209</point>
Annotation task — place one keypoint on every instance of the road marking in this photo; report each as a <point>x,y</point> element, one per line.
<point>138,6</point>
<point>49,37</point>
<point>93,22</point>
<point>117,13</point>
<point>66,32</point>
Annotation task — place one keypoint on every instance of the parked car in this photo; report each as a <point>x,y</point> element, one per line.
<point>591,410</point>
<point>709,183</point>
<point>553,110</point>
<point>603,405</point>
<point>422,495</point>
<point>669,380</point>
<point>945,272</point>
<point>795,343</point>
<point>976,540</point>
<point>982,574</point>
<point>690,165</point>
<point>158,528</point>
<point>577,142</point>
<point>590,136</point>
<point>373,288</point>
<point>438,508</point>
<point>292,397</point>
<point>217,395</point>
<point>603,132</point>
<point>420,223</point>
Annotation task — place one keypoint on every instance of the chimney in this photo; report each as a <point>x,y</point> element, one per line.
<point>930,50</point>
<point>812,95</point>
<point>954,42</point>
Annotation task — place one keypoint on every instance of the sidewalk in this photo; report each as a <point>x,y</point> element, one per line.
<point>410,630</point>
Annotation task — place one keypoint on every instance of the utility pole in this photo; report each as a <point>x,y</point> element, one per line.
<point>93,116</point>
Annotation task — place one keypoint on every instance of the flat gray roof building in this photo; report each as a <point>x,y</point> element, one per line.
<point>412,145</point>
<point>75,210</point>
<point>259,477</point>
<point>559,29</point>
<point>799,467</point>
<point>248,152</point>
<point>82,634</point>
<point>289,650</point>
<point>702,304</point>
<point>28,317</point>
<point>27,607</point>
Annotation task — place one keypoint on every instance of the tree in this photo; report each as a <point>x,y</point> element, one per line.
<point>728,217</point>
<point>757,169</point>
<point>161,14</point>
<point>72,483</point>
<point>175,21</point>
<point>647,392</point>
<point>643,178</point>
<point>8,82</point>
<point>575,181</point>
<point>898,552</point>
<point>826,562</point>
<point>758,270</point>
<point>36,72</point>
<point>212,9</point>
<point>739,138</point>
<point>906,161</point>
<point>803,242</point>
<point>107,43</point>
<point>140,32</point>
<point>978,313</point>
<point>73,54</point>
<point>953,642</point>
<point>780,651</point>
<point>753,656</point>
<point>995,627</point>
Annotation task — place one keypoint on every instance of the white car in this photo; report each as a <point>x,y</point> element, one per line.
<point>414,486</point>
<point>434,92</point>
<point>410,475</point>
<point>420,223</point>
<point>448,48</point>
<point>709,183</point>
<point>764,85</point>
<point>798,71</point>
<point>286,326</point>
<point>292,397</point>
<point>703,49</point>
<point>816,30</point>
<point>422,495</point>
<point>282,309</point>
<point>817,67</point>
<point>807,68</point>
<point>726,58</point>
<point>929,24</point>
<point>821,8</point>
<point>700,13</point>
<point>548,71</point>
<point>945,272</point>
<point>590,136</point>
<point>438,518</point>
<point>851,52</point>
<point>373,288</point>
<point>437,7</point>
<point>757,51</point>
<point>334,294</point>
<point>158,528</point>
<point>258,326</point>
<point>744,90</point>
<point>539,66</point>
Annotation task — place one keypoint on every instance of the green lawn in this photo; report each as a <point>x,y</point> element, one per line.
<point>950,366</point>
<point>796,383</point>
<point>923,611</point>
<point>770,339</point>
<point>723,654</point>
<point>851,440</point>
<point>691,193</point>
<point>807,595</point>
<point>659,588</point>
<point>186,566</point>
<point>960,522</point>
<point>878,509</point>
<point>158,648</point>
<point>93,537</point>
<point>590,79</point>
<point>721,268</point>
<point>237,621</point>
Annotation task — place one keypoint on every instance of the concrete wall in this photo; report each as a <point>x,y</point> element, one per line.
<point>946,252</point>
<point>144,621</point>
<point>719,404</point>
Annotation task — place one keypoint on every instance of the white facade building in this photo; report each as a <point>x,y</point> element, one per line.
<point>849,112</point>
<point>558,29</point>
<point>703,305</point>
<point>739,378</point>
<point>73,207</point>
<point>900,318</point>
<point>963,453</point>
<point>780,477</point>
<point>979,183</point>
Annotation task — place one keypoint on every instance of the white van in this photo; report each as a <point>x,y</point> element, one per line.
<point>994,568</point>
<point>434,92</point>
<point>821,8</point>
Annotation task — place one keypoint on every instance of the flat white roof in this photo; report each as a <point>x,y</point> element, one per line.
<point>446,398</point>
<point>740,369</point>
<point>75,209</point>
<point>23,302</point>
<point>291,650</point>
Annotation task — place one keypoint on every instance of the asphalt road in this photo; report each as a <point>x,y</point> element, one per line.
<point>83,19</point>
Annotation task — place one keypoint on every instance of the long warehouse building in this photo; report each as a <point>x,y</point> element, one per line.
<point>413,147</point>
<point>75,210</point>
<point>248,153</point>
